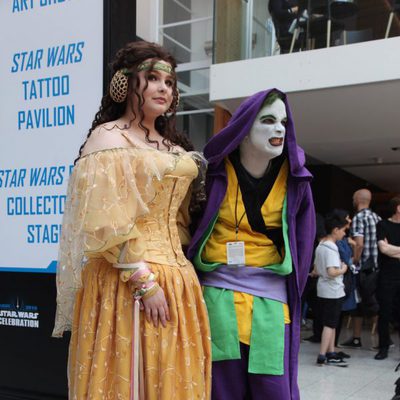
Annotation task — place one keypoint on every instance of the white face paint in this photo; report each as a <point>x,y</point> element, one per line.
<point>267,135</point>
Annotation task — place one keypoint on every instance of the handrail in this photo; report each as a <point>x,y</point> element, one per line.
<point>176,42</point>
<point>193,66</point>
<point>198,111</point>
<point>186,22</point>
<point>183,6</point>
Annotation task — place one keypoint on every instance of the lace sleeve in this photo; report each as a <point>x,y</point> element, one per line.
<point>108,190</point>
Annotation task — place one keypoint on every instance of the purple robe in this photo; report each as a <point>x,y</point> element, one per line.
<point>300,208</point>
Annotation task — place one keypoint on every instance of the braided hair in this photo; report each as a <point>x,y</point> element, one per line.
<point>129,57</point>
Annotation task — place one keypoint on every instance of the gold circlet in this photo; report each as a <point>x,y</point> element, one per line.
<point>158,66</point>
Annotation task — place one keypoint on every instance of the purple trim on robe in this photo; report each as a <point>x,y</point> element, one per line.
<point>300,208</point>
<point>259,282</point>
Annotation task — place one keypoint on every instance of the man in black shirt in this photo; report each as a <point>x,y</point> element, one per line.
<point>388,236</point>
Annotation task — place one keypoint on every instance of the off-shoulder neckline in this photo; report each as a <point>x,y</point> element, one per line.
<point>132,148</point>
<point>146,146</point>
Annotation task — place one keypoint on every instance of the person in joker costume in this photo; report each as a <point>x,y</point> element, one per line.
<point>252,248</point>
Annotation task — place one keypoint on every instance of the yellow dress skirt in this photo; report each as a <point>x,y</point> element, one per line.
<point>175,362</point>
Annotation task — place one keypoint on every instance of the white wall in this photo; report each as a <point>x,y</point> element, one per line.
<point>147,19</point>
<point>360,63</point>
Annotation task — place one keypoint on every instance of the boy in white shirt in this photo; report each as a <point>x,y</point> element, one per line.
<point>330,288</point>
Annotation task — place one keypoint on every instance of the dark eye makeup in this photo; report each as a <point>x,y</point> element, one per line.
<point>267,119</point>
<point>270,119</point>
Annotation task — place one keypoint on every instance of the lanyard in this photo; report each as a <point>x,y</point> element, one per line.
<point>237,224</point>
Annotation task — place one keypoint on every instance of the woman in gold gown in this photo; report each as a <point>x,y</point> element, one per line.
<point>125,222</point>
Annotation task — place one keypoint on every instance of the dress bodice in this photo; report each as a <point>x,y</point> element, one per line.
<point>161,226</point>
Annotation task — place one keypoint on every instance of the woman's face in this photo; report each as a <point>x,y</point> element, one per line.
<point>158,95</point>
<point>268,131</point>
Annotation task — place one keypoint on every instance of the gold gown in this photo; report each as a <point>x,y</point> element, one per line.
<point>139,197</point>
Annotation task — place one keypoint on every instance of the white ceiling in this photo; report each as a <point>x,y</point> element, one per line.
<point>353,127</point>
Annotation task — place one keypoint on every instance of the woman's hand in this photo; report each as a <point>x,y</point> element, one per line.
<point>156,308</point>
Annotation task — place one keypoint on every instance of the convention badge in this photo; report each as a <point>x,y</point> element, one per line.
<point>235,253</point>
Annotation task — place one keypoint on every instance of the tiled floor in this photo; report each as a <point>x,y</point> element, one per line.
<point>364,378</point>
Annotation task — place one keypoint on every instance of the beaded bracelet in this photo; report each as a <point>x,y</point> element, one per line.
<point>146,292</point>
<point>143,281</point>
<point>128,269</point>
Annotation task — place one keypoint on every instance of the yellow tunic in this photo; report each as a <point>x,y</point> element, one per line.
<point>259,250</point>
<point>124,205</point>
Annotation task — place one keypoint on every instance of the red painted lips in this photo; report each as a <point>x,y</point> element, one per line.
<point>276,141</point>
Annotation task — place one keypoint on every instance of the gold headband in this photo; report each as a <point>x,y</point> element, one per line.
<point>147,65</point>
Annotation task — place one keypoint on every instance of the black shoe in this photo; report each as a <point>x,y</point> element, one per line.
<point>382,354</point>
<point>353,343</point>
<point>342,354</point>
<point>336,360</point>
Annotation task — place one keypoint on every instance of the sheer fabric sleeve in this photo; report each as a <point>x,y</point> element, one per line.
<point>108,190</point>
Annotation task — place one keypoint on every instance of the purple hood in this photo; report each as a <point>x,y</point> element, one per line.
<point>239,126</point>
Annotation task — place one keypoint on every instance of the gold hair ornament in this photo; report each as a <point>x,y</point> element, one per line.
<point>158,66</point>
<point>119,85</point>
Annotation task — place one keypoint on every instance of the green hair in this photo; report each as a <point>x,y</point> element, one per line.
<point>272,97</point>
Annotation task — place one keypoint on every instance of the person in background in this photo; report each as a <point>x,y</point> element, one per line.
<point>388,286</point>
<point>330,288</point>
<point>345,247</point>
<point>363,232</point>
<point>283,13</point>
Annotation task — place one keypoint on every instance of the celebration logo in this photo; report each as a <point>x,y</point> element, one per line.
<point>19,315</point>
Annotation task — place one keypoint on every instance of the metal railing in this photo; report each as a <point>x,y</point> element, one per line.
<point>318,24</point>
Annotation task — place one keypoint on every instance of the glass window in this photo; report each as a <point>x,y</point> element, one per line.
<point>185,29</point>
